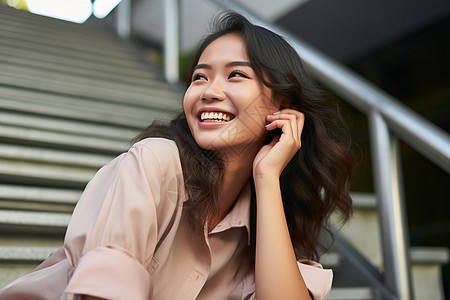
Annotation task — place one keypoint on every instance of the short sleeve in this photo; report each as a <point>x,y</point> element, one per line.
<point>317,280</point>
<point>119,219</point>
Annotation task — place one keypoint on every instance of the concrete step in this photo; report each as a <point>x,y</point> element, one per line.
<point>427,271</point>
<point>36,198</point>
<point>366,201</point>
<point>56,130</point>
<point>24,48</point>
<point>37,29</point>
<point>84,109</point>
<point>54,47</point>
<point>362,230</point>
<point>53,157</point>
<point>16,261</point>
<point>350,293</point>
<point>39,194</point>
<point>44,174</point>
<point>22,254</point>
<point>58,140</point>
<point>33,22</point>
<point>27,77</point>
<point>35,165</point>
<point>330,260</point>
<point>87,69</point>
<point>38,32</point>
<point>34,223</point>
<point>66,126</point>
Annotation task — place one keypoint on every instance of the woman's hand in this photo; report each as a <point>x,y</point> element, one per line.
<point>277,275</point>
<point>273,157</point>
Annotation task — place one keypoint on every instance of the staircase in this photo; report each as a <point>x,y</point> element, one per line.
<point>363,233</point>
<point>71,98</point>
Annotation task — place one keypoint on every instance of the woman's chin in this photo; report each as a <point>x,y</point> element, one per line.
<point>207,144</point>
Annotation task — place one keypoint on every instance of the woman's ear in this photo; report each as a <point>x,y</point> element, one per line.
<point>284,103</point>
<point>288,103</point>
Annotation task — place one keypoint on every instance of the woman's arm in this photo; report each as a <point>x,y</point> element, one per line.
<point>276,271</point>
<point>277,274</point>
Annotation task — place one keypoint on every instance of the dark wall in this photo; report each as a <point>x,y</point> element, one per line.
<point>350,29</point>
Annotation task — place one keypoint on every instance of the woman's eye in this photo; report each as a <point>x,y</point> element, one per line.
<point>237,74</point>
<point>198,77</point>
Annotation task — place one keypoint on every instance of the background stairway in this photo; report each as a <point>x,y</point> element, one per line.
<point>71,98</point>
<point>363,233</point>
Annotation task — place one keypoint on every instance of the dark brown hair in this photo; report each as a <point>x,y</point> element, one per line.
<point>316,181</point>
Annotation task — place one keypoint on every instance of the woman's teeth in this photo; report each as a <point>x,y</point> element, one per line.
<point>214,117</point>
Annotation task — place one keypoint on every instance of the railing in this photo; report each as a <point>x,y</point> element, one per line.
<point>123,19</point>
<point>171,10</point>
<point>171,39</point>
<point>388,120</point>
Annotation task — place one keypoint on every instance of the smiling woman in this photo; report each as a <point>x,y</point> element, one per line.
<point>225,202</point>
<point>223,82</point>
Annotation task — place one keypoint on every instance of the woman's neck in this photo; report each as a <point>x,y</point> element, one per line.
<point>238,169</point>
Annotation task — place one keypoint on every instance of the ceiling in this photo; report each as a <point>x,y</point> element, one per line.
<point>346,30</point>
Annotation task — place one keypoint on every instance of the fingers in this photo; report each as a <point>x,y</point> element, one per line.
<point>289,120</point>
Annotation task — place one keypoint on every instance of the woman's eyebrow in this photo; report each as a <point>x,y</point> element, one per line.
<point>230,64</point>
<point>238,63</point>
<point>201,66</point>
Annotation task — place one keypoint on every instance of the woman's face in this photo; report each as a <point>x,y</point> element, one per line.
<point>226,104</point>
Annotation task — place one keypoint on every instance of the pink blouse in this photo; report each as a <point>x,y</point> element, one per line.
<point>129,238</point>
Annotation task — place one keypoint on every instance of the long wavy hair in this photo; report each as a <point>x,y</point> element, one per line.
<point>316,181</point>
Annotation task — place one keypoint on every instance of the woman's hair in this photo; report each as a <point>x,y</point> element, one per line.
<point>316,181</point>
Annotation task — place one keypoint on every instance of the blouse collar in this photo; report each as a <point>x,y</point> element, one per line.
<point>239,216</point>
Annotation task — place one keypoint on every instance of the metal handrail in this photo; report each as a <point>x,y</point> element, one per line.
<point>425,137</point>
<point>388,119</point>
<point>123,19</point>
<point>171,39</point>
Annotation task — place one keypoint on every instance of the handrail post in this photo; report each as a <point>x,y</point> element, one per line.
<point>388,187</point>
<point>123,19</point>
<point>171,39</point>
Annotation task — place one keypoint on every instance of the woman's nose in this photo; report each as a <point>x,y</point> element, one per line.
<point>214,91</point>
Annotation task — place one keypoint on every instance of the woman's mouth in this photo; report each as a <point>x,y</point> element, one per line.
<point>215,117</point>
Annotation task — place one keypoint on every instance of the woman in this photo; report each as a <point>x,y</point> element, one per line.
<point>227,202</point>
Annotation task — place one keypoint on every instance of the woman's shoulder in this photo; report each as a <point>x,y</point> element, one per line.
<point>157,144</point>
<point>162,148</point>
<point>159,151</point>
<point>159,160</point>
